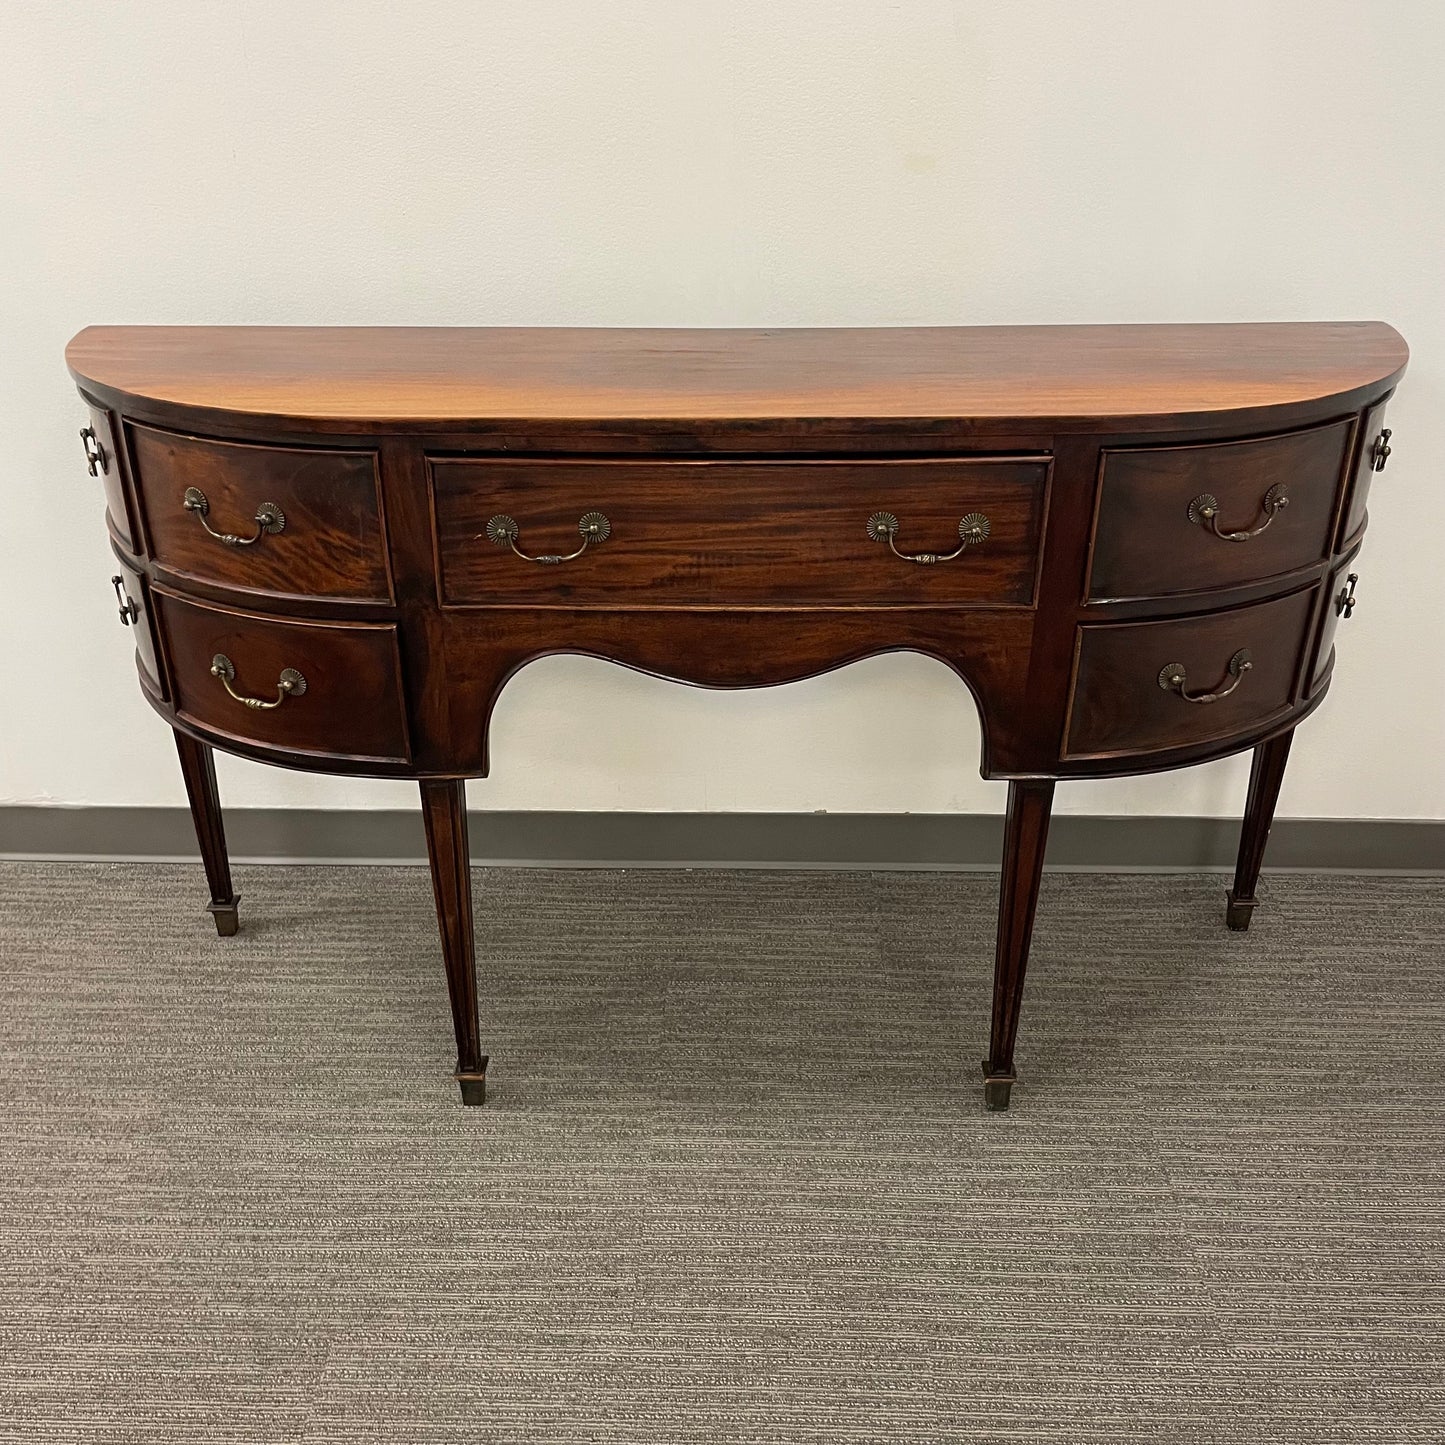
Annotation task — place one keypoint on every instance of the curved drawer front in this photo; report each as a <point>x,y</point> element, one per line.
<point>1146,686</point>
<point>347,702</point>
<point>297,522</point>
<point>741,533</point>
<point>1162,511</point>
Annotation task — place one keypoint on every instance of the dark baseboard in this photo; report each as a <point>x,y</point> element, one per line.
<point>716,840</point>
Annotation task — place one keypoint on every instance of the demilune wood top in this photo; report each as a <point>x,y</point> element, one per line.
<point>433,377</point>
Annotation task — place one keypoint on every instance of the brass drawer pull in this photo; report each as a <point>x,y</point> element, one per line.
<point>129,612</point>
<point>269,519</point>
<point>972,529</point>
<point>95,457</point>
<point>1345,600</point>
<point>289,684</point>
<point>1172,674</point>
<point>1380,452</point>
<point>1204,510</point>
<point>504,531</point>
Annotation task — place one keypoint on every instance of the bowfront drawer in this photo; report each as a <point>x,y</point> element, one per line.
<point>1147,686</point>
<point>306,687</point>
<point>102,458</point>
<point>1174,520</point>
<point>286,521</point>
<point>768,533</point>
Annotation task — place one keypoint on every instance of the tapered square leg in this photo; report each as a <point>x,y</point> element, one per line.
<point>444,810</point>
<point>198,768</point>
<point>1266,775</point>
<point>1026,834</point>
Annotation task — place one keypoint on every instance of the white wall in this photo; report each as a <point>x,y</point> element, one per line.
<point>713,162</point>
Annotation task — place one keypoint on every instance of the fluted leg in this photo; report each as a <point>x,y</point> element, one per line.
<point>1265,777</point>
<point>444,808</point>
<point>1025,836</point>
<point>198,768</point>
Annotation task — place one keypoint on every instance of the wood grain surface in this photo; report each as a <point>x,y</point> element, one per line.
<point>399,375</point>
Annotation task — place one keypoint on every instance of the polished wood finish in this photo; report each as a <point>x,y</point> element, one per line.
<point>444,811</point>
<point>1026,835</point>
<point>1118,706</point>
<point>198,770</point>
<point>1145,544</point>
<point>745,533</point>
<point>438,378</point>
<point>353,700</point>
<point>331,544</point>
<point>738,471</point>
<point>1266,775</point>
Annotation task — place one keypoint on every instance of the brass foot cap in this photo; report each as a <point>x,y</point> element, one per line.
<point>1238,912</point>
<point>996,1089</point>
<point>473,1085</point>
<point>227,916</point>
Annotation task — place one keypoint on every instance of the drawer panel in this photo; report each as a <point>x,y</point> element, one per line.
<point>137,597</point>
<point>352,702</point>
<point>766,533</point>
<point>102,455</point>
<point>1372,453</point>
<point>329,542</point>
<point>1149,541</point>
<point>1120,703</point>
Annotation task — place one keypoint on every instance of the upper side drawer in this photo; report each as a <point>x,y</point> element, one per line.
<point>103,460</point>
<point>1183,519</point>
<point>291,521</point>
<point>683,533</point>
<point>1374,453</point>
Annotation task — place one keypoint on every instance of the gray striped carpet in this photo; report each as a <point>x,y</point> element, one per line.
<point>736,1184</point>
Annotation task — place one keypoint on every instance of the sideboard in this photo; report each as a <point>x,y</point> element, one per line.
<point>1132,544</point>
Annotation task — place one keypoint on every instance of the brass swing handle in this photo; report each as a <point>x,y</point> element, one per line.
<point>1204,510</point>
<point>95,458</point>
<point>972,529</point>
<point>269,519</point>
<point>289,684</point>
<point>1172,675</point>
<point>129,612</point>
<point>503,531</point>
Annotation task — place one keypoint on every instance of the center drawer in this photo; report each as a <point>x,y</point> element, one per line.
<point>738,532</point>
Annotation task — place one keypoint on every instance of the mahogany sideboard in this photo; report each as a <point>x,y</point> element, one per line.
<point>1132,544</point>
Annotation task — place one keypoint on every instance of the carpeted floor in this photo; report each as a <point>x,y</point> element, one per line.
<point>736,1183</point>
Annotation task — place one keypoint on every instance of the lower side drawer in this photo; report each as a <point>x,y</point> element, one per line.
<point>329,688</point>
<point>134,598</point>
<point>1151,686</point>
